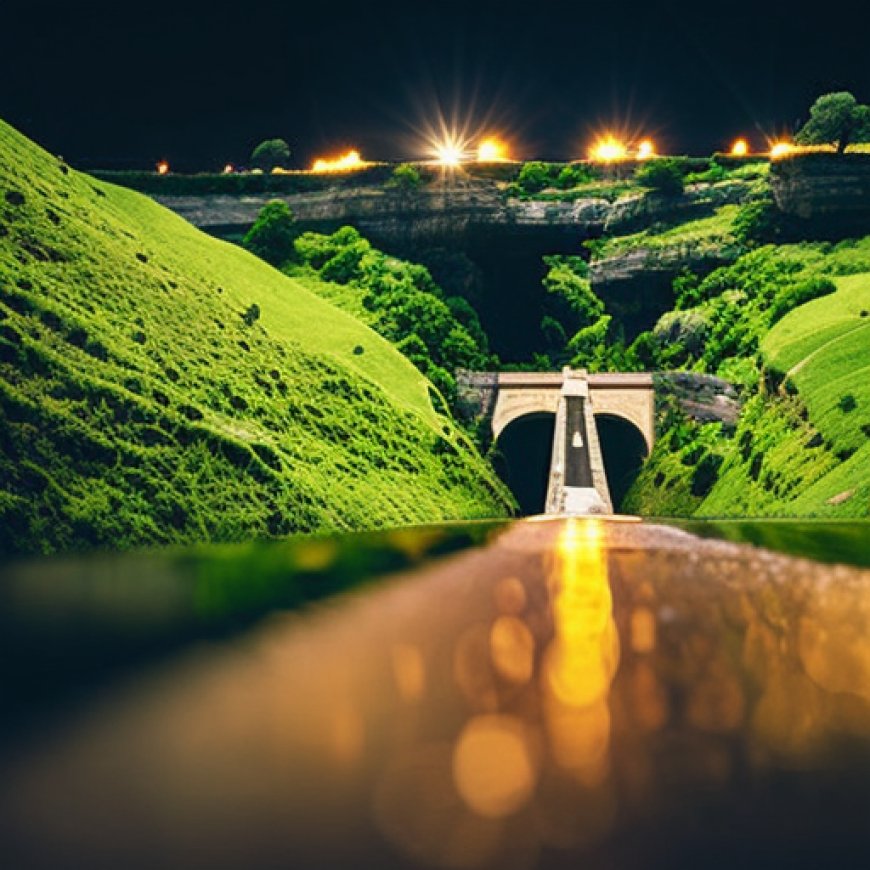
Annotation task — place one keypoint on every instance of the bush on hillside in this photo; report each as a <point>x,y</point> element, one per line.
<point>273,233</point>
<point>793,295</point>
<point>405,176</point>
<point>271,153</point>
<point>534,177</point>
<point>664,175</point>
<point>402,303</point>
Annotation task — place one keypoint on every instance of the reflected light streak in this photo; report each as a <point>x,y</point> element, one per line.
<point>582,659</point>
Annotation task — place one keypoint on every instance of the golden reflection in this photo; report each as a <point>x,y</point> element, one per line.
<point>509,596</point>
<point>409,671</point>
<point>513,649</point>
<point>581,661</point>
<point>642,630</point>
<point>493,765</point>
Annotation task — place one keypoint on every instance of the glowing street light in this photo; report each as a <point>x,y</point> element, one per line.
<point>344,163</point>
<point>646,149</point>
<point>740,148</point>
<point>229,169</point>
<point>162,167</point>
<point>608,150</point>
<point>491,151</point>
<point>448,153</point>
<point>780,149</point>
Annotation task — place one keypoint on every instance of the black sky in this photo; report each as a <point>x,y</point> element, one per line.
<point>123,84</point>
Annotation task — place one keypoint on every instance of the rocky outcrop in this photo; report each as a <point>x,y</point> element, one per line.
<point>704,398</point>
<point>658,263</point>
<point>453,213</point>
<point>434,214</point>
<point>634,213</point>
<point>824,188</point>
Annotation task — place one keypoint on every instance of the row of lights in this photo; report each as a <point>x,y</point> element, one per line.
<point>450,153</point>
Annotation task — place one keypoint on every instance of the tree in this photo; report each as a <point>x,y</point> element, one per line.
<point>273,233</point>
<point>664,175</point>
<point>405,176</point>
<point>836,119</point>
<point>534,176</point>
<point>271,153</point>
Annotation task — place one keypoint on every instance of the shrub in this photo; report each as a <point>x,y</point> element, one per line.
<point>405,176</point>
<point>534,177</point>
<point>271,153</point>
<point>664,175</point>
<point>758,221</point>
<point>572,175</point>
<point>273,233</point>
<point>847,403</point>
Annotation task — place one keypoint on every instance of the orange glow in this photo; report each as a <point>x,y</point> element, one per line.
<point>646,149</point>
<point>162,167</point>
<point>493,766</point>
<point>780,149</point>
<point>492,151</point>
<point>740,148</point>
<point>229,169</point>
<point>344,163</point>
<point>607,150</point>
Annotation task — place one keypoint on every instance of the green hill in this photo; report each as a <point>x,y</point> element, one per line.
<point>158,385</point>
<point>802,444</point>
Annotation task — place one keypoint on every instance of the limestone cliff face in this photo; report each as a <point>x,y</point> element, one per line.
<point>433,214</point>
<point>663,263</point>
<point>634,213</point>
<point>454,213</point>
<point>825,187</point>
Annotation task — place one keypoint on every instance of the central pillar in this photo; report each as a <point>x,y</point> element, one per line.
<point>577,483</point>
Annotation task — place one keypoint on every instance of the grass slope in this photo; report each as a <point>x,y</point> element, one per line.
<point>802,445</point>
<point>139,404</point>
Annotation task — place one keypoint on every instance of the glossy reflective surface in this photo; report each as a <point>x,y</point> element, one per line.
<point>577,693</point>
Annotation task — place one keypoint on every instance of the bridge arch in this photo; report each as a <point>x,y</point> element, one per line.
<point>523,459</point>
<point>623,450</point>
<point>513,404</point>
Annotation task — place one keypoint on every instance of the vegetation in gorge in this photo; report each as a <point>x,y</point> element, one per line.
<point>160,386</point>
<point>399,300</point>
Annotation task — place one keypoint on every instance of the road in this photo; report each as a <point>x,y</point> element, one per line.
<point>576,693</point>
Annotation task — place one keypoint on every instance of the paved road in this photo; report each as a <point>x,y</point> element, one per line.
<point>578,693</point>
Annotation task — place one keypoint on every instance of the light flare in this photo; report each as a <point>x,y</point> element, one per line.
<point>449,153</point>
<point>344,163</point>
<point>229,169</point>
<point>781,149</point>
<point>492,151</point>
<point>646,149</point>
<point>162,167</point>
<point>740,148</point>
<point>608,149</point>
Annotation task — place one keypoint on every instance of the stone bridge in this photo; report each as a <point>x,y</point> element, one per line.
<point>577,480</point>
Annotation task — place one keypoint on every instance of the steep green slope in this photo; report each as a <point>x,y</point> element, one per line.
<point>802,444</point>
<point>157,385</point>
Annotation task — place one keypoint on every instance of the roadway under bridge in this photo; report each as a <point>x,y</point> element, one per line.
<point>577,480</point>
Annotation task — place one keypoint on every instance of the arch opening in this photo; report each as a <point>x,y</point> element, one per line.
<point>623,449</point>
<point>523,459</point>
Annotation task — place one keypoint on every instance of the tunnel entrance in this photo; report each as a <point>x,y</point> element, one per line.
<point>623,449</point>
<point>523,462</point>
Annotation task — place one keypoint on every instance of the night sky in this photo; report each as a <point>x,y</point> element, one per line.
<point>122,84</point>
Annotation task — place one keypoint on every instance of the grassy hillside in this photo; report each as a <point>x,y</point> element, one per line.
<point>157,385</point>
<point>802,445</point>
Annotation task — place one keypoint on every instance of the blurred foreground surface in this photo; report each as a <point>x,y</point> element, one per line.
<point>562,693</point>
